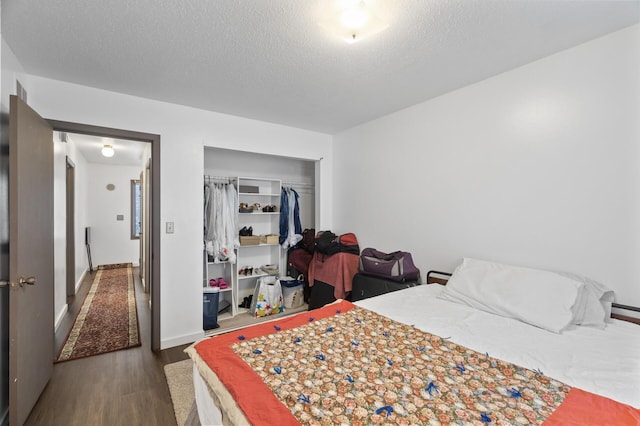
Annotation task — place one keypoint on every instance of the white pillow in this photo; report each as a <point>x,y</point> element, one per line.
<point>596,309</point>
<point>544,299</point>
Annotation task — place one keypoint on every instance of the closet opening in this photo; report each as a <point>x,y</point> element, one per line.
<point>248,247</point>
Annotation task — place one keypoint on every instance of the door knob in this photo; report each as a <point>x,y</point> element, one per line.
<point>21,281</point>
<point>31,281</point>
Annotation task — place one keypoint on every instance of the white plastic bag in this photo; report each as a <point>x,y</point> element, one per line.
<point>267,297</point>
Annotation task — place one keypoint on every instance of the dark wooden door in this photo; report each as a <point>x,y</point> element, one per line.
<point>31,328</point>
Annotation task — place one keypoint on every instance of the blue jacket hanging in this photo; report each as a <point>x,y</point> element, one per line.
<point>284,216</point>
<point>296,215</point>
<point>290,226</point>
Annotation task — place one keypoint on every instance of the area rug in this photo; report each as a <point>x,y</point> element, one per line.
<point>108,318</point>
<point>114,266</point>
<point>180,381</point>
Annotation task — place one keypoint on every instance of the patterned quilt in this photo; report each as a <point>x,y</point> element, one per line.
<point>346,365</point>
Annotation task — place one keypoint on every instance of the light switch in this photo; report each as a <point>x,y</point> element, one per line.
<point>169,227</point>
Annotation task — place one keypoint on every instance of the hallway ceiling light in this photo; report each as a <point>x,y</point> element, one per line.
<point>353,20</point>
<point>107,150</point>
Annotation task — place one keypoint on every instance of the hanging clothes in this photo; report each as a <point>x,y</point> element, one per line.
<point>284,216</point>
<point>290,226</point>
<point>295,228</point>
<point>230,219</point>
<point>221,221</point>
<point>207,209</point>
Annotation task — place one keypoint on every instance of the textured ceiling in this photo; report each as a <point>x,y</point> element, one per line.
<point>270,60</point>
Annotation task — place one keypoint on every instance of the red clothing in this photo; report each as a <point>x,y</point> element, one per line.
<point>336,270</point>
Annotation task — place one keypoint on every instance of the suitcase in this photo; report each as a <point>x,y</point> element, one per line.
<point>321,294</point>
<point>365,286</point>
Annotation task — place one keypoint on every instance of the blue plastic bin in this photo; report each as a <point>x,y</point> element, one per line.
<point>210,301</point>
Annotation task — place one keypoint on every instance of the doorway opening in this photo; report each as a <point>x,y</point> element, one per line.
<point>149,241</point>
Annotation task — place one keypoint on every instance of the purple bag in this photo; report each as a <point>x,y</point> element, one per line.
<point>396,266</point>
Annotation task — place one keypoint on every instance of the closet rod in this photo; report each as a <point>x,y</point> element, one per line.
<point>225,179</point>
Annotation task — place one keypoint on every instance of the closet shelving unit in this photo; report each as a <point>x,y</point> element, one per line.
<point>264,192</point>
<point>250,191</point>
<point>216,270</point>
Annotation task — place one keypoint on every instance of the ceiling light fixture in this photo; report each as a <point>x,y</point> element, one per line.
<point>107,150</point>
<point>353,20</point>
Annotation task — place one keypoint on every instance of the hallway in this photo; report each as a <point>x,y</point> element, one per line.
<point>125,387</point>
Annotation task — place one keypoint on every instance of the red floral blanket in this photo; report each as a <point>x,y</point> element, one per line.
<point>344,364</point>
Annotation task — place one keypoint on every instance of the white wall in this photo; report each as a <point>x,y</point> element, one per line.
<point>80,210</point>
<point>537,166</point>
<point>184,132</point>
<point>61,151</point>
<point>111,238</point>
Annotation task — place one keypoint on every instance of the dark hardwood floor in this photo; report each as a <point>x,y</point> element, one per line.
<point>126,387</point>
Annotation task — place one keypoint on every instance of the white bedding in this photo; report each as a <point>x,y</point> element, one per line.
<point>605,362</point>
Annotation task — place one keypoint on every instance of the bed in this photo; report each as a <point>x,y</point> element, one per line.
<point>413,357</point>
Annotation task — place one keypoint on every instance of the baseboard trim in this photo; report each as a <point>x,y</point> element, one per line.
<point>60,316</point>
<point>79,282</point>
<point>181,340</point>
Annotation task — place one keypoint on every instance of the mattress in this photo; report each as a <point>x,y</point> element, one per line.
<point>604,362</point>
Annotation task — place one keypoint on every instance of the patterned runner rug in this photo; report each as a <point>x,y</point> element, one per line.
<point>108,318</point>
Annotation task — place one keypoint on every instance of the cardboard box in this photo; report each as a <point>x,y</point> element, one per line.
<point>249,240</point>
<point>269,239</point>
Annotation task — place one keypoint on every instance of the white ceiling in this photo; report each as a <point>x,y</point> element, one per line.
<point>271,61</point>
<point>127,152</point>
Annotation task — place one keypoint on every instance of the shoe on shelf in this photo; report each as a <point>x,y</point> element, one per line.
<point>246,302</point>
<point>246,232</point>
<point>213,282</point>
<point>244,208</point>
<point>222,283</point>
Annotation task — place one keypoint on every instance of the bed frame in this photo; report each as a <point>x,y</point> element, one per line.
<point>439,277</point>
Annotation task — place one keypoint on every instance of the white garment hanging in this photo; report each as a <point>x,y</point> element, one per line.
<point>230,220</point>
<point>221,238</point>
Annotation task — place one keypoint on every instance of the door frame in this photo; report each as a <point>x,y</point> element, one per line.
<point>154,213</point>
<point>141,254</point>
<point>147,227</point>
<point>71,227</point>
